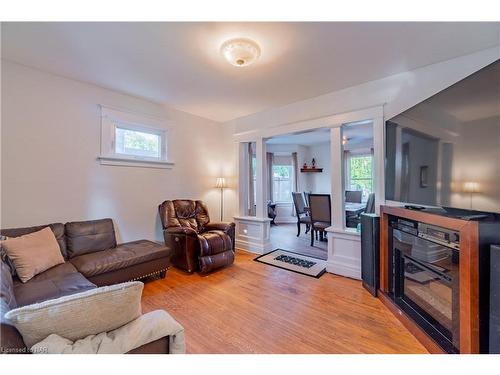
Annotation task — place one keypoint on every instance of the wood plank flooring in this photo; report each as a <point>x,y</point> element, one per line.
<point>252,307</point>
<point>284,236</point>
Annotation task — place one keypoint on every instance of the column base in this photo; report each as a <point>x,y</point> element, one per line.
<point>344,253</point>
<point>253,234</point>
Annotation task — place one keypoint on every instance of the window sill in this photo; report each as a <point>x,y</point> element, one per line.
<point>130,162</point>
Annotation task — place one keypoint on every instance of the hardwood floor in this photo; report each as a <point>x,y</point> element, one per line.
<point>284,236</point>
<point>252,307</point>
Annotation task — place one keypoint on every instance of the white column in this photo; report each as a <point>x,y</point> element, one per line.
<point>344,249</point>
<point>242,173</point>
<point>378,162</point>
<point>337,178</point>
<point>261,178</point>
<point>253,233</point>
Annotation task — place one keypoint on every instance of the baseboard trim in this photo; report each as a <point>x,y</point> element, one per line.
<point>285,220</point>
<point>344,266</point>
<point>253,247</point>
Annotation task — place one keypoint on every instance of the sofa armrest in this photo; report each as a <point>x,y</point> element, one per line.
<point>180,230</point>
<point>226,227</point>
<point>11,341</point>
<point>183,242</point>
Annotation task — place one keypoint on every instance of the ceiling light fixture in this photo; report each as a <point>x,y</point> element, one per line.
<point>240,52</point>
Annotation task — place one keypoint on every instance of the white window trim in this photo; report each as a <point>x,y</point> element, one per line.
<point>111,118</point>
<point>284,203</point>
<point>358,153</point>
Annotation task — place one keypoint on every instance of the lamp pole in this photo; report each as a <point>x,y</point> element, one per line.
<point>221,203</point>
<point>221,184</point>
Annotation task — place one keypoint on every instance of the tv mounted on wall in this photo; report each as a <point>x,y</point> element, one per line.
<point>445,151</point>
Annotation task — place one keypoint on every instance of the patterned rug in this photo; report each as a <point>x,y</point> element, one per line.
<point>294,262</point>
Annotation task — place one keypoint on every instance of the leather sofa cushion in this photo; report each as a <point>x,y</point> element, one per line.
<point>57,228</point>
<point>83,237</point>
<point>124,255</point>
<point>61,280</point>
<point>214,242</point>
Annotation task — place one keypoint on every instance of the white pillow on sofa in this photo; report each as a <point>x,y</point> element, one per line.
<point>78,315</point>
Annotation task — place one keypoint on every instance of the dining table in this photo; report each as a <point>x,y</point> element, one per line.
<point>353,208</point>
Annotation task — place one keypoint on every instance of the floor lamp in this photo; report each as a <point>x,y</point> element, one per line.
<point>220,183</point>
<point>471,188</point>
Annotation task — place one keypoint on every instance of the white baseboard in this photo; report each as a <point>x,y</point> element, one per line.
<point>344,266</point>
<point>285,220</point>
<point>253,247</point>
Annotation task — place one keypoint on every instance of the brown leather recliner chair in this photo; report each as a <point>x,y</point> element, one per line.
<point>196,243</point>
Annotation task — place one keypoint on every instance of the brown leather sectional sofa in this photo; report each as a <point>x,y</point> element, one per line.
<point>93,259</point>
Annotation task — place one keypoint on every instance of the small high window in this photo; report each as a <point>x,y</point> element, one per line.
<point>138,143</point>
<point>133,140</point>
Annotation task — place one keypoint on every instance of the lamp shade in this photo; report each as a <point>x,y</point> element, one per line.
<point>471,187</point>
<point>220,183</point>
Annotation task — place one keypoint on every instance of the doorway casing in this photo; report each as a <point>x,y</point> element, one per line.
<point>344,248</point>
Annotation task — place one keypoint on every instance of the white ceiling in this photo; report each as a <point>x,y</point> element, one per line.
<point>179,63</point>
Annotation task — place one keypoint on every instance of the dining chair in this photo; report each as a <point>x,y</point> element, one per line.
<point>320,213</point>
<point>353,221</point>
<point>301,212</point>
<point>306,198</point>
<point>370,204</point>
<point>353,196</point>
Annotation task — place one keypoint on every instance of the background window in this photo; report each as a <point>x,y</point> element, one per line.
<point>361,174</point>
<point>282,183</point>
<point>134,140</point>
<point>137,143</point>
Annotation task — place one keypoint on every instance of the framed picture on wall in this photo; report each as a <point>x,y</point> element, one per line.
<point>424,176</point>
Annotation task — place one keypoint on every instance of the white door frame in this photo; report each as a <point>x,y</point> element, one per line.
<point>334,122</point>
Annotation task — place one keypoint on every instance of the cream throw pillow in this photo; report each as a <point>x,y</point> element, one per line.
<point>33,253</point>
<point>78,315</point>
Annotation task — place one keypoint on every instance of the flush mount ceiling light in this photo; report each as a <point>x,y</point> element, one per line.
<point>240,52</point>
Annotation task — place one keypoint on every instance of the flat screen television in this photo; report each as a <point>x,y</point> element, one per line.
<point>445,151</point>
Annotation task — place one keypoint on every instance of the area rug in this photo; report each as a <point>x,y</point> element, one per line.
<point>294,262</point>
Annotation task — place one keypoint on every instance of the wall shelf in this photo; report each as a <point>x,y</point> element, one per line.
<point>318,170</point>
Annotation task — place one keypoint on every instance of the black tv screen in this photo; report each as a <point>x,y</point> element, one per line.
<point>445,151</point>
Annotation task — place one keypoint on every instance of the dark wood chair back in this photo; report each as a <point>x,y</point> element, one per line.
<point>370,204</point>
<point>320,208</point>
<point>298,202</point>
<point>353,196</point>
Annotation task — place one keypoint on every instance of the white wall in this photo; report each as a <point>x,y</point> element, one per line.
<point>398,92</point>
<point>319,182</point>
<point>50,142</point>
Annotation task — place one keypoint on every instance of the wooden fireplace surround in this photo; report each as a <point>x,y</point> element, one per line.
<point>468,274</point>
